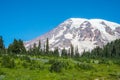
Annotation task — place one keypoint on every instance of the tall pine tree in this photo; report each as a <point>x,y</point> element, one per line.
<point>64,53</point>
<point>77,52</point>
<point>47,46</point>
<point>39,45</point>
<point>72,50</point>
<point>2,47</point>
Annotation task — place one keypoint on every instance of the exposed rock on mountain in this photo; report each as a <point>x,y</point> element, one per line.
<point>85,34</point>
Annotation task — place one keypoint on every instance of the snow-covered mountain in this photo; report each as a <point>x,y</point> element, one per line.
<point>85,34</point>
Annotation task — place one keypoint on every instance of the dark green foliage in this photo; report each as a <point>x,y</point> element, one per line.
<point>77,54</point>
<point>1,72</point>
<point>83,59</point>
<point>97,52</point>
<point>116,61</point>
<point>2,47</point>
<point>86,54</point>
<point>111,50</point>
<point>25,64</point>
<point>27,59</point>
<point>35,49</point>
<point>1,43</point>
<point>84,66</point>
<point>72,50</point>
<point>7,62</point>
<point>51,61</point>
<point>104,61</point>
<point>58,66</point>
<point>47,46</point>
<point>115,75</point>
<point>64,53</point>
<point>35,65</point>
<point>56,52</point>
<point>100,63</point>
<point>39,45</point>
<point>39,50</point>
<point>44,49</point>
<point>17,47</point>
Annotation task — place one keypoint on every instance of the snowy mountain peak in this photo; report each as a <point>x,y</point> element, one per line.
<point>85,34</point>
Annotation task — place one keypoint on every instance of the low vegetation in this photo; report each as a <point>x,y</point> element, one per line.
<point>18,64</point>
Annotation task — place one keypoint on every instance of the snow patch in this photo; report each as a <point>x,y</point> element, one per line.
<point>68,36</point>
<point>72,29</point>
<point>60,33</point>
<point>83,45</point>
<point>96,24</point>
<point>77,22</point>
<point>52,40</point>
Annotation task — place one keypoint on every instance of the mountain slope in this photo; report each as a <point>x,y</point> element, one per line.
<point>85,34</point>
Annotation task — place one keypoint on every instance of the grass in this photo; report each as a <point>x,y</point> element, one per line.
<point>86,70</point>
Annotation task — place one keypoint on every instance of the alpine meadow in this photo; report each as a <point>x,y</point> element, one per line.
<point>59,39</point>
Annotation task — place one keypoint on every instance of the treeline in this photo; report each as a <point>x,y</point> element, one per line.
<point>111,50</point>
<point>17,47</point>
<point>38,50</point>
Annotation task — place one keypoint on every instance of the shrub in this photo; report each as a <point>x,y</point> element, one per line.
<point>58,66</point>
<point>84,66</point>
<point>7,62</point>
<point>1,72</point>
<point>115,75</point>
<point>26,58</point>
<point>51,61</point>
<point>116,62</point>
<point>25,64</point>
<point>36,65</point>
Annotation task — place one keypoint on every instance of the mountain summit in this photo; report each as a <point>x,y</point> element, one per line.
<point>84,34</point>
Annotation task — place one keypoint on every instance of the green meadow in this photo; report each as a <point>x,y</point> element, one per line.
<point>26,67</point>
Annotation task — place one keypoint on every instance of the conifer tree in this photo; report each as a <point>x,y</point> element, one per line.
<point>44,48</point>
<point>30,50</point>
<point>47,46</point>
<point>2,47</point>
<point>39,45</point>
<point>34,48</point>
<point>17,47</point>
<point>64,53</point>
<point>72,50</point>
<point>77,52</point>
<point>56,52</point>
<point>21,46</point>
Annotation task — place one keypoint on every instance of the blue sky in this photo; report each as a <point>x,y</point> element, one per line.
<point>28,19</point>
